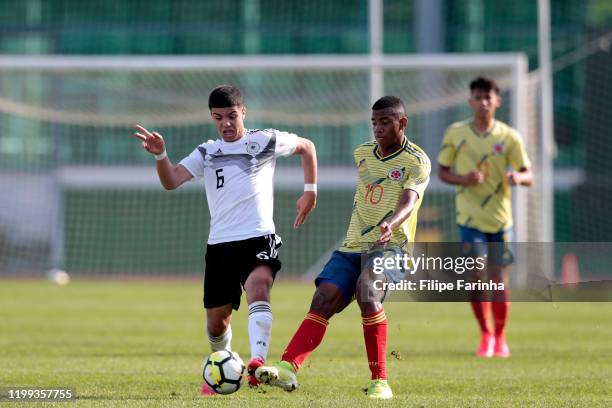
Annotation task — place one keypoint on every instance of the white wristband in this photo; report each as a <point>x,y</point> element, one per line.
<point>310,187</point>
<point>161,156</point>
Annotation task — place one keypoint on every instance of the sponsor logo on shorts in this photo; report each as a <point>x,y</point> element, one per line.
<point>263,255</point>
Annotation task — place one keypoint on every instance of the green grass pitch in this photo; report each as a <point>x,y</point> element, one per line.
<point>134,344</point>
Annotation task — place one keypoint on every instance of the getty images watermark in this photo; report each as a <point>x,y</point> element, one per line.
<point>481,271</point>
<point>388,266</point>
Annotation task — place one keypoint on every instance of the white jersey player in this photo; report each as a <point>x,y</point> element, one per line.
<point>238,172</point>
<point>238,181</point>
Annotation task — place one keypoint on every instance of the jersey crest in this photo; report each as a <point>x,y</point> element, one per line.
<point>396,174</point>
<point>499,148</point>
<point>253,148</point>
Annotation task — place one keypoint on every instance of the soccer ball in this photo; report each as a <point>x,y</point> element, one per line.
<point>58,276</point>
<point>223,371</point>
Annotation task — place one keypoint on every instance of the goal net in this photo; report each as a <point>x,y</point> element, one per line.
<point>77,192</point>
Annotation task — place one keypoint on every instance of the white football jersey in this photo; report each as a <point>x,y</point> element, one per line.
<point>238,178</point>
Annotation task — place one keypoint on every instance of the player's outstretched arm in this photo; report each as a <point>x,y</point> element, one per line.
<point>170,176</point>
<point>404,208</point>
<point>307,202</point>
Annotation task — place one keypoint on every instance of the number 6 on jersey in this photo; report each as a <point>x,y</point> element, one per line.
<point>220,178</point>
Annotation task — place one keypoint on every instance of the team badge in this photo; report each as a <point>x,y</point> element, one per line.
<point>498,148</point>
<point>396,174</point>
<point>253,148</point>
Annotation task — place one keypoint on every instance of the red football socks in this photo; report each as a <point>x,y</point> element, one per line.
<point>375,336</point>
<point>500,316</point>
<point>307,338</point>
<point>481,311</point>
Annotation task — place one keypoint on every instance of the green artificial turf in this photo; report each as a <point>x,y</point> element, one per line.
<point>133,344</point>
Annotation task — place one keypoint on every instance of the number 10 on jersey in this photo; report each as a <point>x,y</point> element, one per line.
<point>374,193</point>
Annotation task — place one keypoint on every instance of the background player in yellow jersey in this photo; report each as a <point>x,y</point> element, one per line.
<point>392,176</point>
<point>476,156</point>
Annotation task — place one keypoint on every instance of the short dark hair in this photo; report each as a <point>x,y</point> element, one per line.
<point>485,84</point>
<point>390,102</point>
<point>225,96</point>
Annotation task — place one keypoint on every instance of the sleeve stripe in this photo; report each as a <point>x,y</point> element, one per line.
<point>419,155</point>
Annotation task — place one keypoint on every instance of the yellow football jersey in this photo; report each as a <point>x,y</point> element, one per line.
<point>381,181</point>
<point>486,206</point>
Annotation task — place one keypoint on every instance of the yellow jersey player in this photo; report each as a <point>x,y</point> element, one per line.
<point>392,176</point>
<point>476,156</point>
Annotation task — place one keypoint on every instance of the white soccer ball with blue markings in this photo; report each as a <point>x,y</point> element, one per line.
<point>223,371</point>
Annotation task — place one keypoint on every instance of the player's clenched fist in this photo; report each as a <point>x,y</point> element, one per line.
<point>152,142</point>
<point>385,233</point>
<point>473,177</point>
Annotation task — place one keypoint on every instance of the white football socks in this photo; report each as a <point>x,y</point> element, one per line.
<point>260,329</point>
<point>222,342</point>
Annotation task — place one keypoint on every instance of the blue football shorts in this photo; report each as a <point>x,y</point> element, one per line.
<point>344,268</point>
<point>496,246</point>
